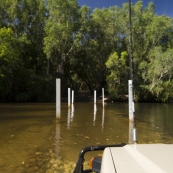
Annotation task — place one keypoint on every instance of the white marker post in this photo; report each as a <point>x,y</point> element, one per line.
<point>103,96</point>
<point>72,98</point>
<point>94,96</point>
<point>58,98</point>
<point>132,125</point>
<point>131,103</point>
<point>69,91</point>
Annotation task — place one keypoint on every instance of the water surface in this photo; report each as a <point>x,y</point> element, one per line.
<point>29,133</point>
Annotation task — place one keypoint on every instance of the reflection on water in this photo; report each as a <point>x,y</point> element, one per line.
<point>68,118</point>
<point>103,118</point>
<point>95,111</point>
<point>72,112</point>
<point>30,132</point>
<point>57,138</point>
<point>155,123</point>
<point>131,125</point>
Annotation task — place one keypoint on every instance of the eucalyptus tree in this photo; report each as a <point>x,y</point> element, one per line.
<point>80,42</point>
<point>149,32</point>
<point>111,31</point>
<point>62,28</point>
<point>118,72</point>
<point>26,19</point>
<point>159,75</point>
<point>141,19</point>
<point>9,60</point>
<point>9,52</point>
<point>83,65</point>
<point>3,14</point>
<point>106,38</point>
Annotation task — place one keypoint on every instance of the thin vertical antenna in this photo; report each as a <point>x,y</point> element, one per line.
<point>130,42</point>
<point>130,82</point>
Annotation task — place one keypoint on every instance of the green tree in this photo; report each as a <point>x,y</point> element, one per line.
<point>9,60</point>
<point>118,70</point>
<point>61,32</point>
<point>100,37</point>
<point>26,19</point>
<point>41,40</point>
<point>149,31</point>
<point>159,74</point>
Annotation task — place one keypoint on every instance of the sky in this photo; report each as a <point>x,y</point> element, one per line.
<point>162,6</point>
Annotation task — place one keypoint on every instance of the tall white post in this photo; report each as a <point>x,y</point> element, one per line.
<point>72,98</point>
<point>58,98</point>
<point>131,103</point>
<point>94,96</point>
<point>103,96</point>
<point>69,91</point>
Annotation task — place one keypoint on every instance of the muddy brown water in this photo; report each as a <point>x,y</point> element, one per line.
<point>30,129</point>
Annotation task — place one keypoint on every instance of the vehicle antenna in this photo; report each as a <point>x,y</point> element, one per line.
<point>131,96</point>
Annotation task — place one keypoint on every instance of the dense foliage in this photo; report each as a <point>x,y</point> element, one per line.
<point>47,39</point>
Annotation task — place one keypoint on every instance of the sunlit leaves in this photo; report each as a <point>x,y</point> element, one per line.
<point>61,29</point>
<point>118,73</point>
<point>160,69</point>
<point>8,51</point>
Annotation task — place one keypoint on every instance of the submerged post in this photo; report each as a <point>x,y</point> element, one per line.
<point>69,97</point>
<point>72,98</point>
<point>58,98</point>
<point>94,96</point>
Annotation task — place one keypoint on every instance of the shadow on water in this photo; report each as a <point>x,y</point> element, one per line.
<point>31,139</point>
